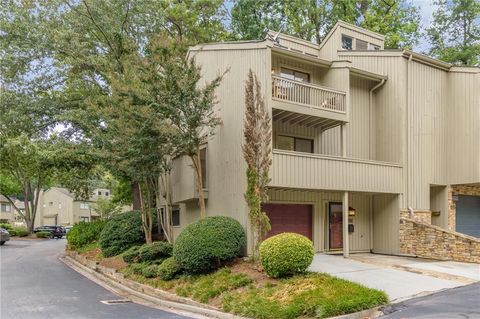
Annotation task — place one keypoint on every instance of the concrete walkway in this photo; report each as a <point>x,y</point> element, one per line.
<point>398,284</point>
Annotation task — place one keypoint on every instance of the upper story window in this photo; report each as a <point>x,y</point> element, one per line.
<point>294,75</point>
<point>203,164</point>
<point>106,193</point>
<point>361,45</point>
<point>84,206</point>
<point>373,47</point>
<point>99,193</point>
<point>347,42</point>
<point>5,207</point>
<point>291,143</point>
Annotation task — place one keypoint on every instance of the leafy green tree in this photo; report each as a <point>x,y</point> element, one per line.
<point>455,32</point>
<point>399,20</point>
<point>106,208</point>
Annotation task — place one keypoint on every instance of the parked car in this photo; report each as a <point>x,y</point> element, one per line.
<point>44,228</point>
<point>4,236</point>
<point>58,232</point>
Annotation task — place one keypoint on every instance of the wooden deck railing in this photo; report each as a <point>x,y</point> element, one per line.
<point>308,94</point>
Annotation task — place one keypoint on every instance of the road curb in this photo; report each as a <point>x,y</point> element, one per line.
<point>149,296</point>
<point>121,287</point>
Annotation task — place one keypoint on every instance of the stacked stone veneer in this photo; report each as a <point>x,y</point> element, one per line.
<point>428,241</point>
<point>459,190</point>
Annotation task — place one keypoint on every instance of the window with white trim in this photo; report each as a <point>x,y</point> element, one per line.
<point>84,206</point>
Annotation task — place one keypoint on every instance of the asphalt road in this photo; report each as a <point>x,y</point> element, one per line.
<point>462,302</point>
<point>34,283</point>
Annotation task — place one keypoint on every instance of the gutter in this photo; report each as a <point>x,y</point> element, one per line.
<point>407,86</point>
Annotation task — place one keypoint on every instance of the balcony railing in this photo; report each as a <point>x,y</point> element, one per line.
<point>307,94</point>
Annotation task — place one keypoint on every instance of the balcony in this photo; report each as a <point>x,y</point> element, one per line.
<point>317,171</point>
<point>325,105</point>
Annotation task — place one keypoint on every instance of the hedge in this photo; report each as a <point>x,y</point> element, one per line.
<point>203,246</point>
<point>286,254</point>
<point>122,232</point>
<point>85,233</point>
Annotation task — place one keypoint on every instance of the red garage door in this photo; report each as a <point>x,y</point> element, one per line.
<point>293,218</point>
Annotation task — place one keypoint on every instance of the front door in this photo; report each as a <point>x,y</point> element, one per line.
<point>335,218</point>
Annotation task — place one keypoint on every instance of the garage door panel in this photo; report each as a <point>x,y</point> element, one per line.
<point>468,215</point>
<point>295,218</point>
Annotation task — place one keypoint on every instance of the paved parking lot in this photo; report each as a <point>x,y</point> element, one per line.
<point>34,283</point>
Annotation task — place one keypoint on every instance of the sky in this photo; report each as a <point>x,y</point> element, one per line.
<point>426,10</point>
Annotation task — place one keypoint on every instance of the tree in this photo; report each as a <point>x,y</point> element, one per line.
<point>455,32</point>
<point>256,152</point>
<point>399,20</point>
<point>106,208</point>
<point>188,106</point>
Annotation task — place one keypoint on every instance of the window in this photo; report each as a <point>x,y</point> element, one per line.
<point>373,47</point>
<point>5,207</point>
<point>294,75</point>
<point>347,42</point>
<point>296,144</point>
<point>176,216</point>
<point>106,193</point>
<point>59,205</point>
<point>361,45</point>
<point>84,206</point>
<point>203,164</point>
<point>84,218</point>
<point>99,193</point>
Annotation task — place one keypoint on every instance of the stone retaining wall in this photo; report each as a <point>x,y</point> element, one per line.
<point>429,241</point>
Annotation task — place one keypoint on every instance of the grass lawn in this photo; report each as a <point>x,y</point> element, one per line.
<point>242,289</point>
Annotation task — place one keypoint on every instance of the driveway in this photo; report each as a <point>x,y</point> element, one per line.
<point>34,283</point>
<point>398,284</point>
<point>457,303</point>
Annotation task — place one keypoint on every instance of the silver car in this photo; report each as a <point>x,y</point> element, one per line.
<point>4,236</point>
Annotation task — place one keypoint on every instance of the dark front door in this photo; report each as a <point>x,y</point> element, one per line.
<point>335,219</point>
<point>292,218</point>
<point>468,215</point>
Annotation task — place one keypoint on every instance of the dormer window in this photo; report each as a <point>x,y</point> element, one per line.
<point>373,47</point>
<point>347,42</point>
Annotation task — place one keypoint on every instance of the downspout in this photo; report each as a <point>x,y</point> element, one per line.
<point>370,107</point>
<point>407,131</point>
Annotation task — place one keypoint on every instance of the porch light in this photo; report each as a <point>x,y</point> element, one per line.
<point>351,211</point>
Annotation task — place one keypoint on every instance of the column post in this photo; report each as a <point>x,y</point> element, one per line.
<point>346,248</point>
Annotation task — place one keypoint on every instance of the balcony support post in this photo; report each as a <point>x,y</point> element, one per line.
<point>343,137</point>
<point>346,248</point>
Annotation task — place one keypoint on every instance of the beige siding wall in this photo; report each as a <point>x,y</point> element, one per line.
<point>359,240</point>
<point>386,223</point>
<point>54,202</point>
<point>439,203</point>
<point>463,113</point>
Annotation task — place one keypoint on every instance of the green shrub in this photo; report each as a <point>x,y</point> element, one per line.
<point>122,232</point>
<point>85,233</point>
<point>137,268</point>
<point>286,254</point>
<point>43,234</point>
<point>158,250</point>
<point>202,246</point>
<point>131,255</point>
<point>150,271</point>
<point>168,269</point>
<point>6,226</point>
<point>19,231</point>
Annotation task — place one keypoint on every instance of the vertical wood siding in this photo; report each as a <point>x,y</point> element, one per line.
<point>386,224</point>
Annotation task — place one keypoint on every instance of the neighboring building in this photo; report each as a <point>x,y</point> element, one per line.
<point>58,206</point>
<point>360,135</point>
<point>6,210</point>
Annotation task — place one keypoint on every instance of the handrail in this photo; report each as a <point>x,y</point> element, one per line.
<point>308,94</point>
<point>333,157</point>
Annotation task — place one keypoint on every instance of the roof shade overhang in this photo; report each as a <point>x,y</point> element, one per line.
<point>300,56</point>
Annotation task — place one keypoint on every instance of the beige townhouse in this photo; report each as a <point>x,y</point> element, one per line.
<point>6,210</point>
<point>58,206</point>
<point>373,150</point>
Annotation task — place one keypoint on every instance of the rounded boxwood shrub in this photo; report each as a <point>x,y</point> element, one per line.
<point>202,246</point>
<point>43,234</point>
<point>150,271</point>
<point>122,232</point>
<point>158,250</point>
<point>286,254</point>
<point>168,269</point>
<point>85,233</point>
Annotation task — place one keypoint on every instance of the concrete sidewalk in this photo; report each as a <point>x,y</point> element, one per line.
<point>398,284</point>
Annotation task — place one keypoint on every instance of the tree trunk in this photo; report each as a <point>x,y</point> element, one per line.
<point>198,172</point>
<point>136,201</point>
